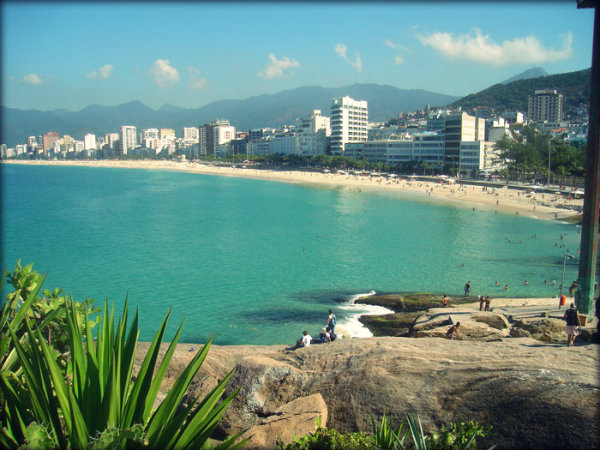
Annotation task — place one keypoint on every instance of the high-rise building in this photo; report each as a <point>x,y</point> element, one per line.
<point>110,139</point>
<point>349,122</point>
<point>214,134</point>
<point>49,139</point>
<point>461,127</point>
<point>89,142</point>
<point>190,135</point>
<point>545,105</point>
<point>151,138</point>
<point>127,139</point>
<point>166,133</point>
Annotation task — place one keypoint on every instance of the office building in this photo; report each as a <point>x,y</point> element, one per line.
<point>460,127</point>
<point>349,123</point>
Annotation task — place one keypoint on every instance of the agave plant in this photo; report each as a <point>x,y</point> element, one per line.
<point>99,399</point>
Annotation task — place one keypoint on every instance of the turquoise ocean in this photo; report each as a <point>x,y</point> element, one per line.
<point>257,261</point>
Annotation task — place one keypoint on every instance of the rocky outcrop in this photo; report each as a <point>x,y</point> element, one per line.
<point>292,420</point>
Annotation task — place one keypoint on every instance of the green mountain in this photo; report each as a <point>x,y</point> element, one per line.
<point>272,110</point>
<point>534,72</point>
<point>513,96</point>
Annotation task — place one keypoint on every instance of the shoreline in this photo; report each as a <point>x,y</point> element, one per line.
<point>503,200</point>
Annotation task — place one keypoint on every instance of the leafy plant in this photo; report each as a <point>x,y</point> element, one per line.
<point>458,436</point>
<point>386,437</point>
<point>330,439</point>
<point>99,397</point>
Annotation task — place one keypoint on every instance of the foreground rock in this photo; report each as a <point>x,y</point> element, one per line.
<point>535,395</point>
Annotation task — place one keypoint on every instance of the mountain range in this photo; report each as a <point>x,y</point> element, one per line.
<point>284,107</point>
<point>260,111</point>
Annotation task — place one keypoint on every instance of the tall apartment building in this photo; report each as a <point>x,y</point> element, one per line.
<point>349,121</point>
<point>89,142</point>
<point>167,133</point>
<point>151,138</point>
<point>49,139</point>
<point>214,134</point>
<point>545,105</point>
<point>312,134</point>
<point>127,139</point>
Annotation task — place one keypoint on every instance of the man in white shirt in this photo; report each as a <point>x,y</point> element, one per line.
<point>304,341</point>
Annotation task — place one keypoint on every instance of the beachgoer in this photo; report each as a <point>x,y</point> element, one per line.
<point>481,302</point>
<point>331,321</point>
<point>325,336</point>
<point>304,341</point>
<point>488,300</point>
<point>526,282</point>
<point>453,330</point>
<point>572,288</point>
<point>506,287</point>
<point>467,288</point>
<point>445,301</point>
<point>573,324</point>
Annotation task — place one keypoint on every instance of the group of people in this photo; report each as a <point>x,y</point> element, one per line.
<point>484,301</point>
<point>328,335</point>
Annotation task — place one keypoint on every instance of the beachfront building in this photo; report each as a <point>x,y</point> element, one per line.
<point>479,156</point>
<point>349,123</point>
<point>312,134</point>
<point>258,147</point>
<point>460,127</point>
<point>48,140</point>
<point>545,106</point>
<point>496,130</point>
<point>150,138</point>
<point>424,146</point>
<point>213,136</point>
<point>190,135</point>
<point>127,139</point>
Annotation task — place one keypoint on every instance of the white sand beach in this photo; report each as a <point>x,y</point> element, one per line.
<point>504,200</point>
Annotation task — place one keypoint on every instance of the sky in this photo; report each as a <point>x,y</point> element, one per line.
<point>74,54</point>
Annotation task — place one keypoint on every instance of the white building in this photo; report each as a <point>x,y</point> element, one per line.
<point>151,138</point>
<point>110,139</point>
<point>127,139</point>
<point>190,135</point>
<point>312,134</point>
<point>285,144</point>
<point>349,123</point>
<point>478,156</point>
<point>89,142</point>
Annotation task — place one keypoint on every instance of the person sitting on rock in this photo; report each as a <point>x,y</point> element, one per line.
<point>325,336</point>
<point>453,330</point>
<point>304,341</point>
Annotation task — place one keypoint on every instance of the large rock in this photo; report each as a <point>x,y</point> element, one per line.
<point>288,422</point>
<point>543,328</point>
<point>265,385</point>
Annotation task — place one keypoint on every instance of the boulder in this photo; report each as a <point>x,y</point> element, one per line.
<point>543,328</point>
<point>494,320</point>
<point>292,420</point>
<point>469,330</point>
<point>265,385</point>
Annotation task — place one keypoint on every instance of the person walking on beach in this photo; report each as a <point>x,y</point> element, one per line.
<point>331,321</point>
<point>452,331</point>
<point>573,324</point>
<point>467,288</point>
<point>488,300</point>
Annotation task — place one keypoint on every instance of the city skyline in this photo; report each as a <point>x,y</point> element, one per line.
<point>71,55</point>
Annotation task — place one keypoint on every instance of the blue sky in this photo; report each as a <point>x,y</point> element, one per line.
<point>74,54</point>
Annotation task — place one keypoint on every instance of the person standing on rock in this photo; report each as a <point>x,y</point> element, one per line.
<point>331,321</point>
<point>453,330</point>
<point>573,324</point>
<point>467,288</point>
<point>488,300</point>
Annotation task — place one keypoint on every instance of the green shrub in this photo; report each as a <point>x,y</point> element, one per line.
<point>331,439</point>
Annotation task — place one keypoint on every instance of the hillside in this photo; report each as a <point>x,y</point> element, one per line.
<point>513,96</point>
<point>260,111</point>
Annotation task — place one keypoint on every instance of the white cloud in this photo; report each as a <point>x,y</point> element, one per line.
<point>398,60</point>
<point>390,44</point>
<point>277,67</point>
<point>163,74</point>
<point>33,78</point>
<point>101,74</point>
<point>196,81</point>
<point>478,47</point>
<point>342,50</point>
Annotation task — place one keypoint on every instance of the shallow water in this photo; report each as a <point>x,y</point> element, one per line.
<point>255,261</point>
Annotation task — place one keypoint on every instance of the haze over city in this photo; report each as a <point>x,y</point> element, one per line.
<point>71,55</point>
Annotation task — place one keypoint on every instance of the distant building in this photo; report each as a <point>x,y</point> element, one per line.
<point>167,133</point>
<point>214,135</point>
<point>89,142</point>
<point>151,138</point>
<point>349,123</point>
<point>545,106</point>
<point>312,134</point>
<point>461,127</point>
<point>110,139</point>
<point>127,139</point>
<point>190,135</point>
<point>48,140</point>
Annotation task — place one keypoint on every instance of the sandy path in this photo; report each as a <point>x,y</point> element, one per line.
<point>541,206</point>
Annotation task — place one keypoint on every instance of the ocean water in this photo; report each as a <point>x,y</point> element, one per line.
<point>256,261</point>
